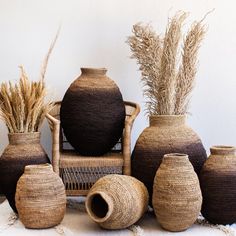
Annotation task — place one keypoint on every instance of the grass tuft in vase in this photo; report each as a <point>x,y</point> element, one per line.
<point>168,75</point>
<point>22,108</point>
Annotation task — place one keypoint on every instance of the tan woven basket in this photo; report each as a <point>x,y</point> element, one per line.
<point>117,201</point>
<point>40,197</point>
<point>177,196</point>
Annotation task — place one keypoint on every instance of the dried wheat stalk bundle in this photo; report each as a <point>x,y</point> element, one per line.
<point>167,82</point>
<point>22,105</point>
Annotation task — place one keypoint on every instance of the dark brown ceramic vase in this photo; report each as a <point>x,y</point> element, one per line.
<point>218,184</point>
<point>166,134</point>
<point>23,149</point>
<point>92,113</point>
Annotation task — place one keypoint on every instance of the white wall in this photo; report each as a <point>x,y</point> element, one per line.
<point>94,33</point>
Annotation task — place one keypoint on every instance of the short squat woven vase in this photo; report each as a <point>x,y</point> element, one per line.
<point>117,201</point>
<point>218,184</point>
<point>23,149</point>
<point>177,197</point>
<point>166,134</point>
<point>92,113</point>
<point>40,197</point>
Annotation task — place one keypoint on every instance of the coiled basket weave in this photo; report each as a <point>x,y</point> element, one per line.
<point>40,197</point>
<point>177,196</point>
<point>218,184</point>
<point>117,201</point>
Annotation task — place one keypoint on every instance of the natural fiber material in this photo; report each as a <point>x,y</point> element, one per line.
<point>78,172</point>
<point>117,201</point>
<point>22,105</point>
<point>177,195</point>
<point>93,113</point>
<point>168,82</point>
<point>40,197</point>
<point>166,134</point>
<point>23,149</point>
<point>217,179</point>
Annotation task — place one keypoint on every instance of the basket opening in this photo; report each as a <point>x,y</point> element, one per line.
<point>99,206</point>
<point>223,147</point>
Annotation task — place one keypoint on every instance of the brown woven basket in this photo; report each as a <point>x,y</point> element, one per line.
<point>117,201</point>
<point>40,197</point>
<point>177,196</point>
<point>166,134</point>
<point>218,184</point>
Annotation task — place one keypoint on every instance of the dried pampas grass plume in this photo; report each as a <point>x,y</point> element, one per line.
<point>22,105</point>
<point>167,88</point>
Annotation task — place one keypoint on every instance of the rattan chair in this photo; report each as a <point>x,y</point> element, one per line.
<point>78,172</point>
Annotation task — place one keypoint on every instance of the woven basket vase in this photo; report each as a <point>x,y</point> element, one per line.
<point>218,184</point>
<point>40,197</point>
<point>166,134</point>
<point>117,201</point>
<point>23,149</point>
<point>177,195</point>
<point>93,113</point>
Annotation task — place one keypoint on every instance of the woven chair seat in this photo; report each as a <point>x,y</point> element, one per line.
<point>78,172</point>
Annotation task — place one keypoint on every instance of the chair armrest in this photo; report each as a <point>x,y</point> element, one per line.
<point>127,137</point>
<point>55,129</point>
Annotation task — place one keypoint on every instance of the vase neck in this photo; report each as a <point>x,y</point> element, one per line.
<point>24,138</point>
<point>223,150</point>
<point>167,120</point>
<point>94,71</point>
<point>38,169</point>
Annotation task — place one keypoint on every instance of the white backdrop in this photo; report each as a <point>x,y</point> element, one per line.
<point>94,33</point>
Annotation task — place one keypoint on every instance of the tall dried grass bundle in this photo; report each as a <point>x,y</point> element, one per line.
<point>167,87</point>
<point>22,105</point>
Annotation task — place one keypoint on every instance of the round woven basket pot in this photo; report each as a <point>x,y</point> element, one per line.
<point>40,197</point>
<point>177,195</point>
<point>166,134</point>
<point>117,201</point>
<point>92,113</point>
<point>23,149</point>
<point>218,184</point>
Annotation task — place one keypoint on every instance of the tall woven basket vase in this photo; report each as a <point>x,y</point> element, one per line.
<point>23,149</point>
<point>166,134</point>
<point>40,197</point>
<point>218,184</point>
<point>117,201</point>
<point>93,113</point>
<point>177,197</point>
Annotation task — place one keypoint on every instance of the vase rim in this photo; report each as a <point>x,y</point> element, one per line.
<point>166,116</point>
<point>176,155</point>
<point>24,133</point>
<point>107,199</point>
<point>223,150</point>
<point>93,70</point>
<point>223,147</point>
<point>45,166</point>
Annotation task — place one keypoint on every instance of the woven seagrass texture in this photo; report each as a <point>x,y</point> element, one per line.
<point>117,201</point>
<point>166,134</point>
<point>23,149</point>
<point>40,197</point>
<point>78,172</point>
<point>177,195</point>
<point>93,113</point>
<point>218,184</point>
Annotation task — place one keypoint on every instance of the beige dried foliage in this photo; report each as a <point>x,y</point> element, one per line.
<point>167,88</point>
<point>188,68</point>
<point>22,105</point>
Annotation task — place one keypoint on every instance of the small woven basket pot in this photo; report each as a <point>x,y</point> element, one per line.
<point>117,201</point>
<point>218,184</point>
<point>177,197</point>
<point>40,197</point>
